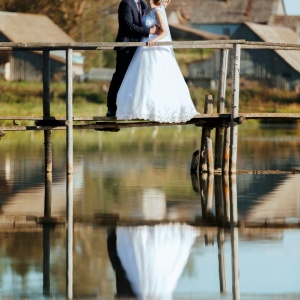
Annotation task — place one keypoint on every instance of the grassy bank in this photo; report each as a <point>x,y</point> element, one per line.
<point>25,99</point>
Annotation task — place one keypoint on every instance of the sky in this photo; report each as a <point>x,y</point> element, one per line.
<point>292,7</point>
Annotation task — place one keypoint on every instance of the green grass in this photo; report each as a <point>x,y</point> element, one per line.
<point>89,99</point>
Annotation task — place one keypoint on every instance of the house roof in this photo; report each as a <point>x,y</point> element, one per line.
<point>185,8</point>
<point>288,21</point>
<point>23,27</point>
<point>235,11</point>
<point>279,34</point>
<point>180,32</point>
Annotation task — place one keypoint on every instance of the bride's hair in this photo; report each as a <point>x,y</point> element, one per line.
<point>157,2</point>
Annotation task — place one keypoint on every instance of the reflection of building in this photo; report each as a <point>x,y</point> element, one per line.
<point>275,206</point>
<point>27,197</point>
<point>25,65</point>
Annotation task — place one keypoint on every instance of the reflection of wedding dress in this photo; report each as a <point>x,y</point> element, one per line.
<point>154,257</point>
<point>153,87</point>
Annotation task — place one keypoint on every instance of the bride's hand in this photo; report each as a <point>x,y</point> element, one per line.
<point>151,43</point>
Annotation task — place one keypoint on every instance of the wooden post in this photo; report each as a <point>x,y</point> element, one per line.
<point>210,156</point>
<point>226,197</point>
<point>226,151</point>
<point>195,160</point>
<point>208,109</point>
<point>221,107</point>
<point>47,134</point>
<point>69,124</point>
<point>235,106</point>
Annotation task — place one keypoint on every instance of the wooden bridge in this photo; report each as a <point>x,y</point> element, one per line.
<point>226,124</point>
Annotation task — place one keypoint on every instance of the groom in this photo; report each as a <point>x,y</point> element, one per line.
<point>130,30</point>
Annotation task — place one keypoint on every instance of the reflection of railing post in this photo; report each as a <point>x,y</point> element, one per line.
<point>220,238</point>
<point>234,239</point>
<point>220,107</point>
<point>235,106</point>
<point>47,134</point>
<point>221,257</point>
<point>46,259</point>
<point>226,197</point>
<point>69,124</point>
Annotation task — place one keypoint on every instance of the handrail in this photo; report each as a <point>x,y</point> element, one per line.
<point>211,44</point>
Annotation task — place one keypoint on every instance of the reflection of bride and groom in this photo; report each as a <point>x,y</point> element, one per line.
<point>147,83</point>
<point>148,260</point>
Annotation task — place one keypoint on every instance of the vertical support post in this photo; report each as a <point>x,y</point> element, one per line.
<point>69,140</point>
<point>236,58</point>
<point>210,159</point>
<point>47,134</point>
<point>226,197</point>
<point>226,151</point>
<point>221,107</point>
<point>208,109</point>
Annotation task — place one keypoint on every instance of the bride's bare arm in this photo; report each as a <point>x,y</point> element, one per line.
<point>161,23</point>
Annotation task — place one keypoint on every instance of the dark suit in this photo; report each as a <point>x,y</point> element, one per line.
<point>130,30</point>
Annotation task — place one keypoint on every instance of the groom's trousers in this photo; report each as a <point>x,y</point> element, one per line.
<point>123,59</point>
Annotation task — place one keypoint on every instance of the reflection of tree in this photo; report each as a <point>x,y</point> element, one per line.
<point>23,247</point>
<point>90,259</point>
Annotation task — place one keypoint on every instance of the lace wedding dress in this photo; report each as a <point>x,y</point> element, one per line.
<point>153,87</point>
<point>154,257</point>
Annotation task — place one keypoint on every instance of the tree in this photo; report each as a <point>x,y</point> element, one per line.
<point>83,20</point>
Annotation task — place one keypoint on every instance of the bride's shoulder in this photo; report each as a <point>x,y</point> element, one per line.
<point>158,9</point>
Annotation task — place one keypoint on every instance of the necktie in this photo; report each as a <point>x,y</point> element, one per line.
<point>139,11</point>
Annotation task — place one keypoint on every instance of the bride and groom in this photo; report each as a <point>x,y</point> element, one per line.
<point>147,83</point>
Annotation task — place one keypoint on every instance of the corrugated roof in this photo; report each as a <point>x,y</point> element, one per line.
<point>21,27</point>
<point>279,34</point>
<point>235,11</point>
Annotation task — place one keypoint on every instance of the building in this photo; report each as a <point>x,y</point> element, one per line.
<point>25,65</point>
<point>274,68</point>
<point>223,17</point>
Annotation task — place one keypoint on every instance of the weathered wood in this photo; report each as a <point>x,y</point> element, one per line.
<point>70,220</point>
<point>236,57</point>
<point>210,156</point>
<point>208,109</point>
<point>21,46</point>
<point>212,44</point>
<point>221,108</point>
<point>226,151</point>
<point>197,118</point>
<point>47,135</point>
<point>195,161</point>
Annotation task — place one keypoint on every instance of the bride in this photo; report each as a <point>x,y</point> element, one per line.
<point>154,88</point>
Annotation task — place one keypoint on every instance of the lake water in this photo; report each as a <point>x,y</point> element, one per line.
<point>136,185</point>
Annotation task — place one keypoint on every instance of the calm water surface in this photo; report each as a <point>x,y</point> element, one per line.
<point>138,176</point>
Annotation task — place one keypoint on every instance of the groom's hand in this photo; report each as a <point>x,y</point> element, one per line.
<point>158,30</point>
<point>155,30</point>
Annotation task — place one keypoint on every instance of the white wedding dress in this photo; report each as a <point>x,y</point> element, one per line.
<point>154,257</point>
<point>154,88</point>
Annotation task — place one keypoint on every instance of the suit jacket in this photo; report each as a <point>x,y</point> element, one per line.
<point>130,28</point>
